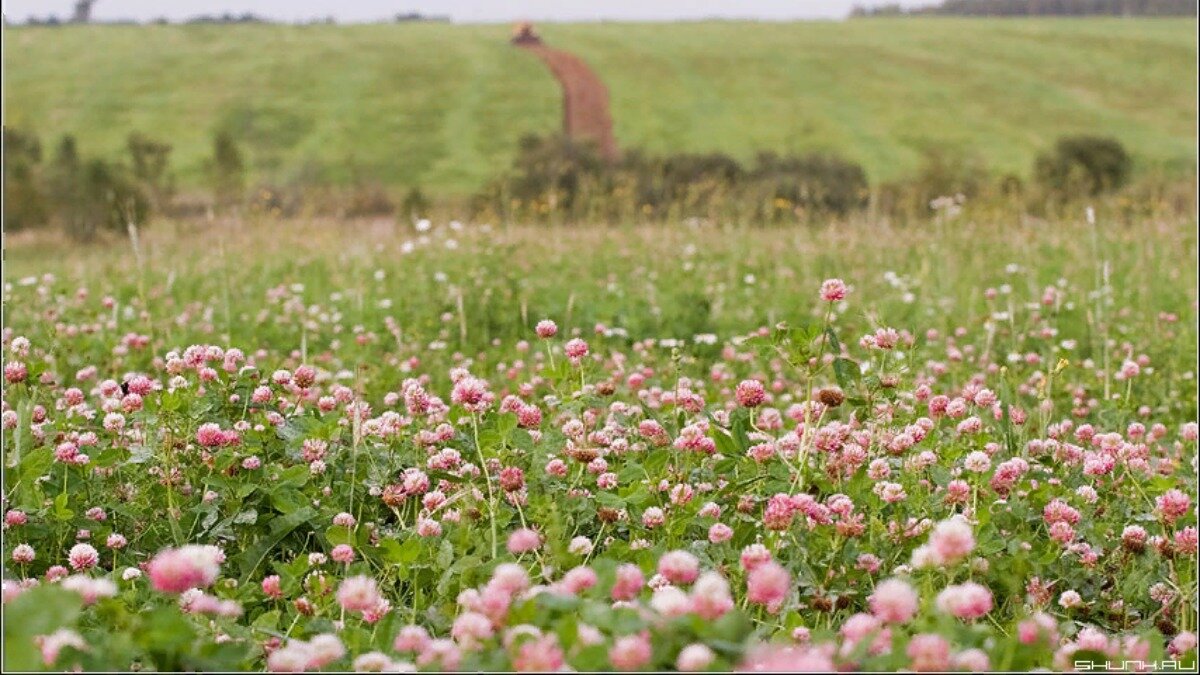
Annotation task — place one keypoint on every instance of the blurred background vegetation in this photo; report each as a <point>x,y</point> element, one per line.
<point>743,121</point>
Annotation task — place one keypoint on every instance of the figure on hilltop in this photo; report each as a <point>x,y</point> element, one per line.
<point>83,11</point>
<point>586,114</point>
<point>523,34</point>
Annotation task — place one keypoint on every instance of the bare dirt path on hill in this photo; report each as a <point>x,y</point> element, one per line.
<point>585,98</point>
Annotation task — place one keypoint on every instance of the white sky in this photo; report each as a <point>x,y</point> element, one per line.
<point>459,10</point>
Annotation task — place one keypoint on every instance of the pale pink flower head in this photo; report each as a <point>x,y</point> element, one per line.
<point>15,372</point>
<point>630,652</point>
<point>470,628</point>
<point>290,658</point>
<point>972,661</point>
<point>978,462</point>
<point>754,555</point>
<point>894,601</point>
<point>305,376</point>
<point>968,601</point>
<point>510,577</point>
<point>358,594</point>
<point>411,638</point>
<point>541,654</point>
<point>750,393</point>
<point>23,554</point>
<point>653,517</point>
<point>951,541</point>
<point>1070,599</point>
<point>83,557</point>
<point>523,540</point>
<point>91,589</point>
<point>56,572</point>
<point>833,290</point>
<point>576,349</point>
<point>711,597</point>
<point>929,652</point>
<point>176,570</point>
<point>210,435</point>
<point>494,603</point>
<point>861,626</point>
<point>444,653</point>
<point>670,601</point>
<point>1039,627</point>
<point>428,527</point>
<point>53,643</point>
<point>342,553</point>
<point>720,533</point>
<point>629,582</point>
<point>472,393</point>
<point>272,586</point>
<point>1186,540</point>
<point>1190,431</point>
<point>1182,644</point>
<point>694,657</point>
<point>771,658</point>
<point>546,329</point>
<point>578,579</point>
<point>1173,504</point>
<point>768,584</point>
<point>679,567</point>
<point>324,649</point>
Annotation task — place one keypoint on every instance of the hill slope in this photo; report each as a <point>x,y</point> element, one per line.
<point>443,105</point>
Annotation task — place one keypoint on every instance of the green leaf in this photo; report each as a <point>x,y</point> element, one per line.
<point>835,346</point>
<point>38,611</point>
<point>340,534</point>
<point>252,557</point>
<point>846,371</point>
<point>164,629</point>
<point>34,464</point>
<point>506,424</point>
<point>247,517</point>
<point>268,620</point>
<point>401,553</point>
<point>61,512</point>
<point>292,477</point>
<point>610,500</point>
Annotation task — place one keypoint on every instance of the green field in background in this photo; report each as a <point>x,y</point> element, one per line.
<point>442,106</point>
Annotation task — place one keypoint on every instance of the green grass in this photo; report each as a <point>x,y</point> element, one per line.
<point>442,106</point>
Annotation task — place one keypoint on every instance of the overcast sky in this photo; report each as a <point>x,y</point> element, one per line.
<point>459,10</point>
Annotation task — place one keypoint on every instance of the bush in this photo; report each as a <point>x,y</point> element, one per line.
<point>150,162</point>
<point>553,170</point>
<point>554,176</point>
<point>93,195</point>
<point>1088,165</point>
<point>227,169</point>
<point>415,204</point>
<point>112,199</point>
<point>819,182</point>
<point>368,199</point>
<point>942,173</point>
<point>25,205</point>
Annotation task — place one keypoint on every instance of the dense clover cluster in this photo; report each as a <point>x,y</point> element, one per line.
<point>959,498</point>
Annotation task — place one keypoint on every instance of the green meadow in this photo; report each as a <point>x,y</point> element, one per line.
<point>442,106</point>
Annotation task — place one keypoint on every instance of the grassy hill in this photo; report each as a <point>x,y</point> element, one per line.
<point>442,105</point>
